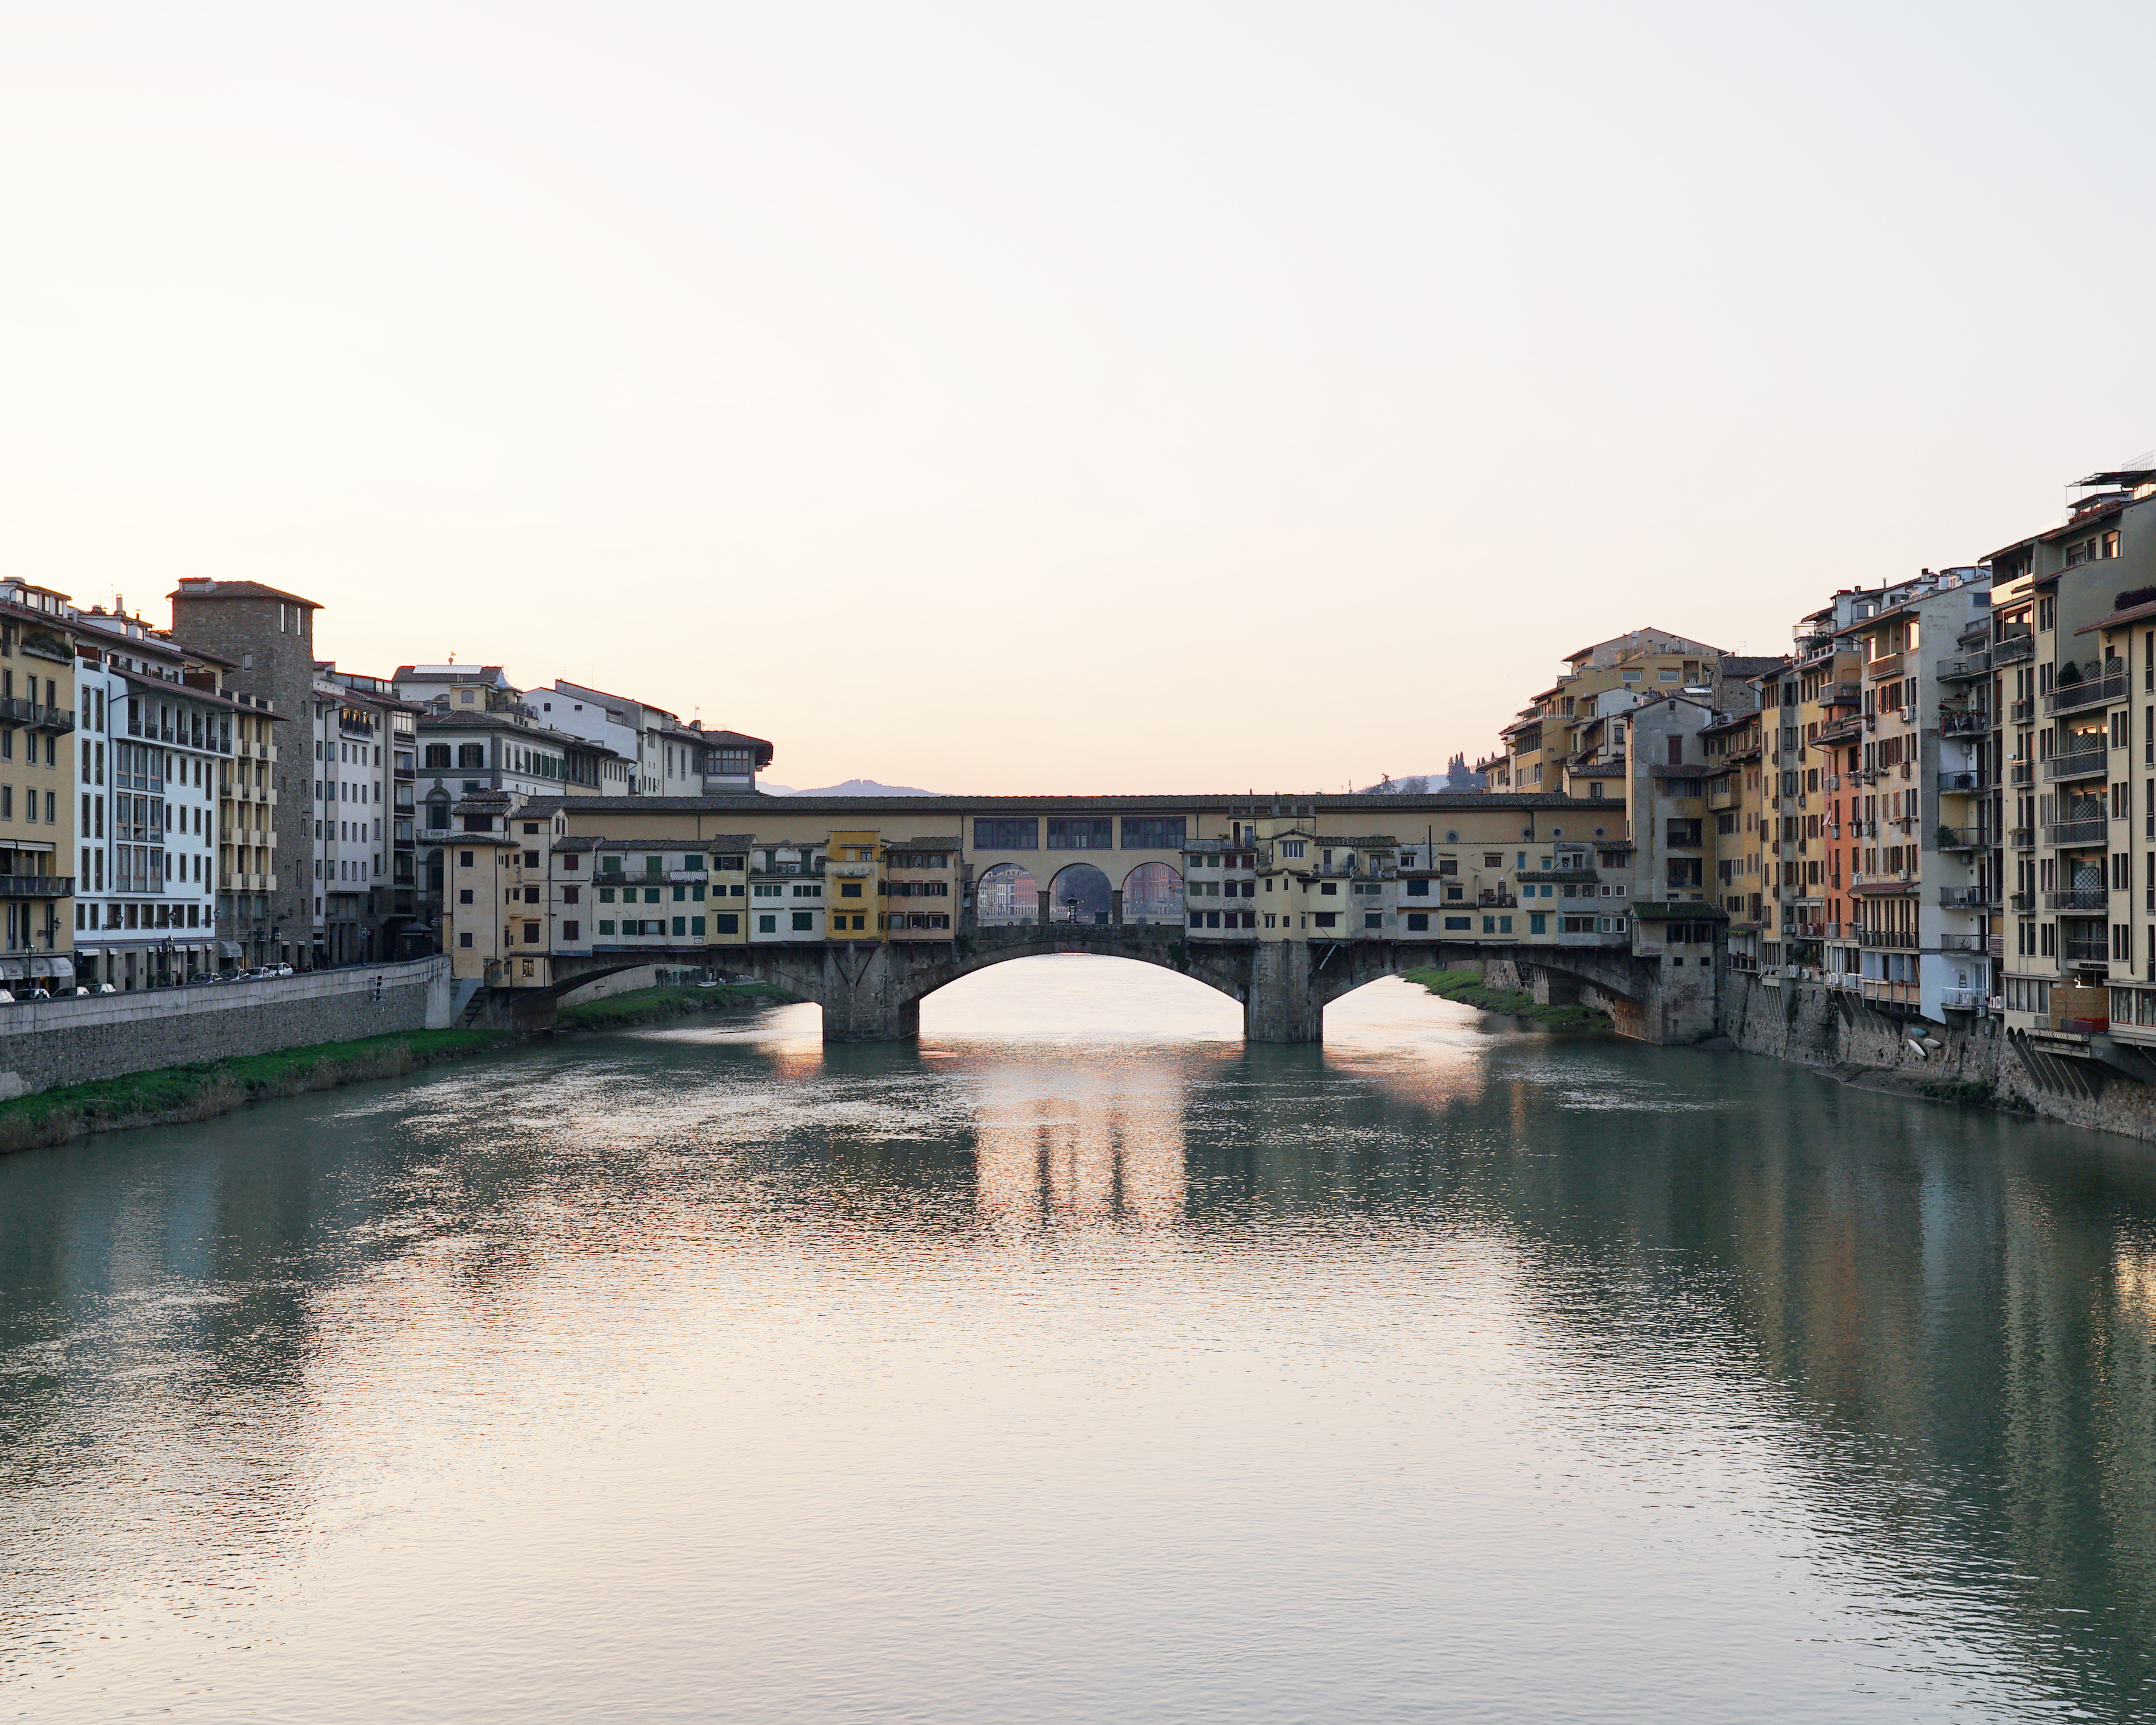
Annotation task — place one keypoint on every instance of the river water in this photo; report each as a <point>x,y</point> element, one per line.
<point>1082,1365</point>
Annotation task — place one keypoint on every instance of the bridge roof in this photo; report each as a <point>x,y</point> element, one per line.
<point>1255,808</point>
<point>706,843</point>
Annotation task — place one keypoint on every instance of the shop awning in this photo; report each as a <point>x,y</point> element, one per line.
<point>229,949</point>
<point>57,965</point>
<point>13,970</point>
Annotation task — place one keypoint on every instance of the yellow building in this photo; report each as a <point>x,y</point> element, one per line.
<point>38,788</point>
<point>853,886</point>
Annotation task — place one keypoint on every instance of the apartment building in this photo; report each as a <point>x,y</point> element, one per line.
<point>663,756</point>
<point>153,744</point>
<point>2077,740</point>
<point>37,807</point>
<point>363,858</point>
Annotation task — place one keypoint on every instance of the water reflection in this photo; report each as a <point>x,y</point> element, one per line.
<point>1083,1363</point>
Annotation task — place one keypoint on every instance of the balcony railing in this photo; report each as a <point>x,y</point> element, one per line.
<point>1967,665</point>
<point>2021,839</point>
<point>1899,993</point>
<point>2082,763</point>
<point>2097,691</point>
<point>2010,649</point>
<point>2021,772</point>
<point>2020,713</point>
<point>37,886</point>
<point>1963,839</point>
<point>1973,779</point>
<point>1906,940</point>
<point>1965,943</point>
<point>1962,1000</point>
<point>2084,952</point>
<point>1973,724</point>
<point>1966,898</point>
<point>2078,898</point>
<point>2076,832</point>
<point>2021,901</point>
<point>1889,665</point>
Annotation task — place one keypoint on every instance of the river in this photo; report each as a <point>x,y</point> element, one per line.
<point>1083,1364</point>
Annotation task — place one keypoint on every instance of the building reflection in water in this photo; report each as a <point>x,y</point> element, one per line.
<point>1068,1143</point>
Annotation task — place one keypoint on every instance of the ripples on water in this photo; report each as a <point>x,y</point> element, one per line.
<point>1083,1365</point>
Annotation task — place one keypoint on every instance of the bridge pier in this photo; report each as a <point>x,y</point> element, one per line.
<point>868,996</point>
<point>1285,1002</point>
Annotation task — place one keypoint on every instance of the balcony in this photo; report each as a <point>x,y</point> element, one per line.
<point>2020,713</point>
<point>2011,649</point>
<point>2022,838</point>
<point>1961,669</point>
<point>37,886</point>
<point>1894,994</point>
<point>1970,780</point>
<point>1963,839</point>
<point>2084,952</point>
<point>1881,668</point>
<point>1962,1000</point>
<point>1967,898</point>
<point>2078,831</point>
<point>2078,898</point>
<point>2082,763</point>
<point>1968,723</point>
<point>2096,692</point>
<point>2022,901</point>
<point>14,710</point>
<point>1965,943</point>
<point>1895,938</point>
<point>2021,772</point>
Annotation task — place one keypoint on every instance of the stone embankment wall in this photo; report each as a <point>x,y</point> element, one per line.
<point>1976,1062</point>
<point>80,1040</point>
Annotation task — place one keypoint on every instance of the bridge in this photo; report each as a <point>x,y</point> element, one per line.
<point>873,993</point>
<point>866,905</point>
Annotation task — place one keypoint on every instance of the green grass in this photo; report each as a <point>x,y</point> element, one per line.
<point>209,1088</point>
<point>648,1006</point>
<point>1466,986</point>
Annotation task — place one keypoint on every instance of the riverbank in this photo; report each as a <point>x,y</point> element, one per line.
<point>173,1095</point>
<point>1467,988</point>
<point>651,1006</point>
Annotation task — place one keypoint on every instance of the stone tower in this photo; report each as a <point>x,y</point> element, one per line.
<point>268,635</point>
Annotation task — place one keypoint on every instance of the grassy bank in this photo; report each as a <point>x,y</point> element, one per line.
<point>1466,986</point>
<point>648,1006</point>
<point>175,1094</point>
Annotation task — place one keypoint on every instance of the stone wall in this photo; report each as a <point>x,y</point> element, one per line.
<point>1977,1061</point>
<point>80,1040</point>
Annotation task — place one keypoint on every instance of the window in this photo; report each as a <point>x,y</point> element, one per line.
<point>464,940</point>
<point>569,932</point>
<point>1152,832</point>
<point>1081,832</point>
<point>1374,919</point>
<point>1327,919</point>
<point>724,923</point>
<point>1419,921</point>
<point>1020,833</point>
<point>766,925</point>
<point>850,889</point>
<point>605,926</point>
<point>1538,922</point>
<point>1418,889</point>
<point>438,757</point>
<point>804,921</point>
<point>463,859</point>
<point>470,757</point>
<point>1291,849</point>
<point>680,924</point>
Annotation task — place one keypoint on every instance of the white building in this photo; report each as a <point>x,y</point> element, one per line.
<point>154,738</point>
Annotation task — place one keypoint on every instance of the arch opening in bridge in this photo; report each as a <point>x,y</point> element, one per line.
<point>1006,894</point>
<point>1080,893</point>
<point>1153,892</point>
<point>1083,997</point>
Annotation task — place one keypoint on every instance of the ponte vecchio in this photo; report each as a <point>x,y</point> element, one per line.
<point>866,905</point>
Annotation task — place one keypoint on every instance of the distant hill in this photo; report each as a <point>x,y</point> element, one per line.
<point>851,787</point>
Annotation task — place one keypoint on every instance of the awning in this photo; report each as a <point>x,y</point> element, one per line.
<point>229,949</point>
<point>57,965</point>
<point>13,970</point>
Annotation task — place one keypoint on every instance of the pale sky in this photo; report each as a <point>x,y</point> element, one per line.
<point>1090,397</point>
